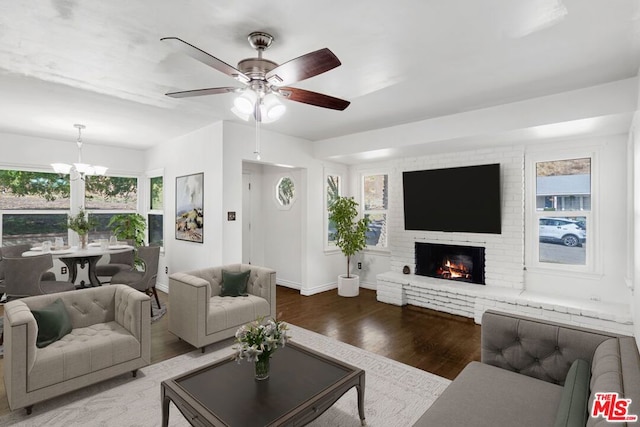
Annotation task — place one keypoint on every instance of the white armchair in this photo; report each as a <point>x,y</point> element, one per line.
<point>200,316</point>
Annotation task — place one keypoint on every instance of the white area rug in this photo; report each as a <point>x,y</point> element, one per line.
<point>395,394</point>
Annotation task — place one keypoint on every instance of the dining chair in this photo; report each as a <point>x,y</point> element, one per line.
<point>23,277</point>
<point>123,261</point>
<point>144,281</point>
<point>16,251</point>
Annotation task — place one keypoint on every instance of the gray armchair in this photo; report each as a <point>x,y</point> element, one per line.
<point>23,277</point>
<point>144,281</point>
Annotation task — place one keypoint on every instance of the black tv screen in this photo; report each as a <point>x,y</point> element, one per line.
<point>463,199</point>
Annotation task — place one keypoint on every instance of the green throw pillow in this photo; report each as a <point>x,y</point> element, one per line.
<point>574,402</point>
<point>234,284</point>
<point>53,323</point>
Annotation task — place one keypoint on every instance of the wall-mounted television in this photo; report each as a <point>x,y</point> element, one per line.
<point>461,199</point>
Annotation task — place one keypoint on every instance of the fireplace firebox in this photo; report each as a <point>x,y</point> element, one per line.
<point>450,262</point>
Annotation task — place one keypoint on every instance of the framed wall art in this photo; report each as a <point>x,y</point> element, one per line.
<point>189,207</point>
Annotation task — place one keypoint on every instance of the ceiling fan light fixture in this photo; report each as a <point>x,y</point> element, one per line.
<point>245,102</point>
<point>274,109</point>
<point>240,114</point>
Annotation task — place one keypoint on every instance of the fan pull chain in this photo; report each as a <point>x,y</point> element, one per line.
<point>257,151</point>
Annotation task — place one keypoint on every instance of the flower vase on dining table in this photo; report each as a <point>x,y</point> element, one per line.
<point>83,241</point>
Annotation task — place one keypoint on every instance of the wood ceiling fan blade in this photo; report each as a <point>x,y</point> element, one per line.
<point>205,58</point>
<point>201,92</point>
<point>303,67</point>
<point>313,98</point>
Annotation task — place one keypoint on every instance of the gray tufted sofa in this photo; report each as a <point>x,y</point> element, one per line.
<point>200,316</point>
<point>523,379</point>
<point>111,335</point>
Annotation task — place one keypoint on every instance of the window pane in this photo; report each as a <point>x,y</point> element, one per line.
<point>33,190</point>
<point>563,240</point>
<point>157,191</point>
<point>375,192</point>
<point>377,232</point>
<point>563,185</point>
<point>156,234</point>
<point>285,191</point>
<point>32,228</point>
<point>333,192</point>
<point>111,192</point>
<point>102,230</point>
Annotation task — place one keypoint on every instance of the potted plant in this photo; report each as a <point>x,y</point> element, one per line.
<point>81,224</point>
<point>128,227</point>
<point>350,237</point>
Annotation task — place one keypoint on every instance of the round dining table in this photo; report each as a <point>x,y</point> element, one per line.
<point>73,257</point>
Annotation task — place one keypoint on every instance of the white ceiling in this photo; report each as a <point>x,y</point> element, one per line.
<point>101,63</point>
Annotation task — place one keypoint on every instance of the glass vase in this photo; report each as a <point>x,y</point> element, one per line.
<point>83,241</point>
<point>262,367</point>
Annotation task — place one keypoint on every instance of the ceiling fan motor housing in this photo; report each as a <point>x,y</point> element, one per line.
<point>256,68</point>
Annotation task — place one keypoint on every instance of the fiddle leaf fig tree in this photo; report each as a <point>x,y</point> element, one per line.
<point>350,235</point>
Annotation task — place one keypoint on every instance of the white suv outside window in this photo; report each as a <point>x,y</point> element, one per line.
<point>569,232</point>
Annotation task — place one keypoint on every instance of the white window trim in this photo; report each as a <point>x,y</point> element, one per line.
<point>593,263</point>
<point>147,202</point>
<point>369,172</point>
<point>330,248</point>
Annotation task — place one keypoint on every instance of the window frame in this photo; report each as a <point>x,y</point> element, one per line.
<point>593,256</point>
<point>156,173</point>
<point>363,211</point>
<point>329,246</point>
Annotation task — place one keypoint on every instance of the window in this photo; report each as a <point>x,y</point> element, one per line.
<point>155,215</point>
<point>333,190</point>
<point>285,192</point>
<point>106,196</point>
<point>375,197</point>
<point>33,206</point>
<point>562,225</point>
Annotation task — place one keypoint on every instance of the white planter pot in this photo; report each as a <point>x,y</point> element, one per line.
<point>348,287</point>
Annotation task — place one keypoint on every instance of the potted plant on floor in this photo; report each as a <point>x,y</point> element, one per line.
<point>350,237</point>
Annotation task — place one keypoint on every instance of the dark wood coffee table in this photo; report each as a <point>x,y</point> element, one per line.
<point>302,385</point>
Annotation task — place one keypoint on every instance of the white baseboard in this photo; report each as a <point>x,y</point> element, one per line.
<point>319,288</point>
<point>288,284</point>
<point>162,287</point>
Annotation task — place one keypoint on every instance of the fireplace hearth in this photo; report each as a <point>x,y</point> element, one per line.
<point>450,262</point>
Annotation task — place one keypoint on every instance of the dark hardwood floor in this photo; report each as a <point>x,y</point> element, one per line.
<point>436,342</point>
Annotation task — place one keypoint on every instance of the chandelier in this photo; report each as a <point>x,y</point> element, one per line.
<point>81,169</point>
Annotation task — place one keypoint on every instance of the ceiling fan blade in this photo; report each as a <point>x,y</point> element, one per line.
<point>201,92</point>
<point>313,98</point>
<point>303,67</point>
<point>205,58</point>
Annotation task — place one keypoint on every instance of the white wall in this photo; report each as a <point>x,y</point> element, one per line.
<point>283,227</point>
<point>608,283</point>
<point>318,271</point>
<point>198,151</point>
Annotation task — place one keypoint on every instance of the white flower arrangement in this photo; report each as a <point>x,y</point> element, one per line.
<point>259,339</point>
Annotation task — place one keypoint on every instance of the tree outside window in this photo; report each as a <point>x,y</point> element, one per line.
<point>375,190</point>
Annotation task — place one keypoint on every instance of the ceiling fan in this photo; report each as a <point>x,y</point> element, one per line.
<point>264,79</point>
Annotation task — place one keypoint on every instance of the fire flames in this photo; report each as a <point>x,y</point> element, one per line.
<point>453,270</point>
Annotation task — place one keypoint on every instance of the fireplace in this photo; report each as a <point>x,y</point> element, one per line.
<point>450,262</point>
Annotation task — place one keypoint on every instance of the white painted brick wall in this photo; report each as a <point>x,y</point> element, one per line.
<point>504,252</point>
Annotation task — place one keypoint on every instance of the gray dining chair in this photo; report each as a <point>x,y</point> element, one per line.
<point>16,251</point>
<point>144,281</point>
<point>123,261</point>
<point>23,277</point>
